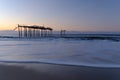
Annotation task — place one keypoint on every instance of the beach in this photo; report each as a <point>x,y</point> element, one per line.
<point>41,71</point>
<point>60,40</point>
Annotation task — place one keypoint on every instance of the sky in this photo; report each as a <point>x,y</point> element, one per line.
<point>76,15</point>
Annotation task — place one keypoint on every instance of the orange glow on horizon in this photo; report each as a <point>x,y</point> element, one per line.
<point>7,27</point>
<point>55,28</point>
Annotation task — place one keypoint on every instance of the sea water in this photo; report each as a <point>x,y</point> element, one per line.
<point>96,53</point>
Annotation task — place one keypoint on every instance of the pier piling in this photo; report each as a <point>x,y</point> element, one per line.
<point>34,31</point>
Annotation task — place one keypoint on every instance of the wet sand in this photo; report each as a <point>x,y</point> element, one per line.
<point>33,71</point>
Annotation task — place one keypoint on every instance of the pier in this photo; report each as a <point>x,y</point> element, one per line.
<point>33,31</point>
<point>42,31</point>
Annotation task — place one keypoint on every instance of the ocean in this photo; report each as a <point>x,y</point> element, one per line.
<point>76,52</point>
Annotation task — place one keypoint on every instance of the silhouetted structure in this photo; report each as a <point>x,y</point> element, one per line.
<point>34,31</point>
<point>63,33</point>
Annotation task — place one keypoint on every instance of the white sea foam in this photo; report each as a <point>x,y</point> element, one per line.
<point>97,53</point>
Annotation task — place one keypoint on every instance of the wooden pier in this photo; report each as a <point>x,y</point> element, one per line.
<point>34,31</point>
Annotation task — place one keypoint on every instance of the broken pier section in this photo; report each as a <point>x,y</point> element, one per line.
<point>34,31</point>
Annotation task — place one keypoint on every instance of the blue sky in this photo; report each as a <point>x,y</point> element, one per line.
<point>82,15</point>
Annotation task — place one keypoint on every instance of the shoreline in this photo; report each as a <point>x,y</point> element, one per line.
<point>35,71</point>
<point>64,64</point>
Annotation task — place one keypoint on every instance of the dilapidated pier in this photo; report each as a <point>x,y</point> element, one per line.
<point>33,31</point>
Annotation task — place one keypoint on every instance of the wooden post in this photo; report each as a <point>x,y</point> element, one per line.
<point>45,33</point>
<point>29,33</point>
<point>33,32</point>
<point>19,31</point>
<point>38,32</point>
<point>63,33</point>
<point>51,33</point>
<point>41,33</point>
<point>25,32</point>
